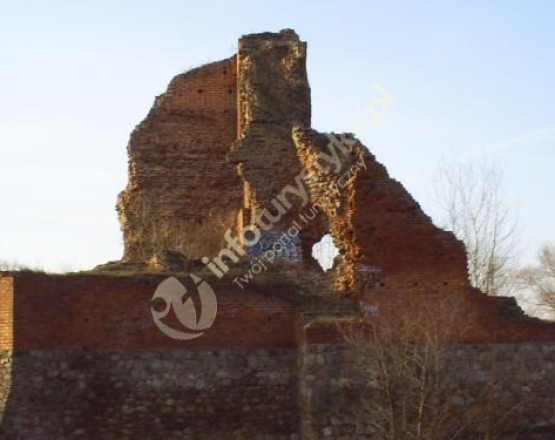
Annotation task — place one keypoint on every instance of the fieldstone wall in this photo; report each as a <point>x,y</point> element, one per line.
<point>520,380</point>
<point>177,394</point>
<point>310,393</point>
<point>6,358</point>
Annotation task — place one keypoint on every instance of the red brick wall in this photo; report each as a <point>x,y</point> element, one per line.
<point>209,87</point>
<point>178,171</point>
<point>6,312</point>
<point>465,314</point>
<point>100,312</point>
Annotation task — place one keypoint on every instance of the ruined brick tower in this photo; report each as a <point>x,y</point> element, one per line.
<point>229,147</point>
<point>219,147</point>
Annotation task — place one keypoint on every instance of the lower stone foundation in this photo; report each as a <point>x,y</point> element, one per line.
<point>518,381</point>
<point>200,394</point>
<point>282,393</point>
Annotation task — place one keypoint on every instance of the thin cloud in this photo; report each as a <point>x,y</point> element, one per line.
<point>539,136</point>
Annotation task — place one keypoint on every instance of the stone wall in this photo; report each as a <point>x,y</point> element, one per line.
<point>177,394</point>
<point>519,377</point>
<point>308,393</point>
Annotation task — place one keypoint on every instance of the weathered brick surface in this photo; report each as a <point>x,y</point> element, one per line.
<point>375,222</point>
<point>272,80</point>
<point>102,312</point>
<point>254,143</point>
<point>6,312</point>
<point>178,172</point>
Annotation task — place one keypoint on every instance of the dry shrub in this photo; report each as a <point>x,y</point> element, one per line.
<point>414,382</point>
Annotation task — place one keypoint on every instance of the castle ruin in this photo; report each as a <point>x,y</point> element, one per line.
<point>222,166</point>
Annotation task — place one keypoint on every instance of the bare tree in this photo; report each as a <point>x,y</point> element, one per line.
<point>473,207</point>
<point>412,381</point>
<point>540,279</point>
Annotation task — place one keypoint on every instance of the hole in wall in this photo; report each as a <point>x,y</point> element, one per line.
<point>325,252</point>
<point>199,91</point>
<point>225,72</point>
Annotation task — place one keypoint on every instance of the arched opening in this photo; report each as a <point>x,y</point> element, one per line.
<point>325,252</point>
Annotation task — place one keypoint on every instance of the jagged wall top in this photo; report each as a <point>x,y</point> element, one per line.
<point>272,80</point>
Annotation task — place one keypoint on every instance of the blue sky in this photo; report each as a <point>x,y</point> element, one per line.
<point>469,78</point>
